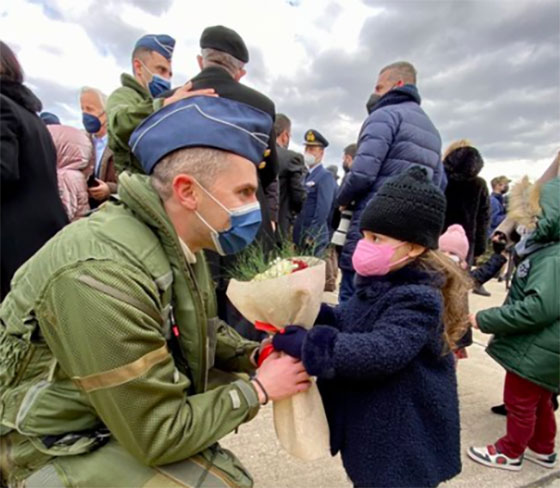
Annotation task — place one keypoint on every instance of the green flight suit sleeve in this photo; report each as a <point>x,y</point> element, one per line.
<point>126,109</point>
<point>103,323</point>
<point>233,352</point>
<point>539,307</point>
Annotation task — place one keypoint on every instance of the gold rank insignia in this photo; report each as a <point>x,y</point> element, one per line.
<point>310,137</point>
<point>266,153</point>
<point>262,165</point>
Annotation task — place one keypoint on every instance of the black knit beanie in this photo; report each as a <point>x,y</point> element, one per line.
<point>408,207</point>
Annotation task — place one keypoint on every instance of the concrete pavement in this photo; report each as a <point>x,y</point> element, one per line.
<point>480,386</point>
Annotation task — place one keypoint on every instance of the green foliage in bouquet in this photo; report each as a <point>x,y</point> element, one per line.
<point>255,260</point>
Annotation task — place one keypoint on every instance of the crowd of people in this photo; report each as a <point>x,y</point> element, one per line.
<point>122,361</point>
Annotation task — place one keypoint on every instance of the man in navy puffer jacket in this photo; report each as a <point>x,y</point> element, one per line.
<point>396,134</point>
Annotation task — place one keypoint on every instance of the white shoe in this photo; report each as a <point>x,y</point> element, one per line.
<point>491,457</point>
<point>546,460</point>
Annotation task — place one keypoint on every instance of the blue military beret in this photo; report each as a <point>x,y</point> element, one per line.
<point>202,122</point>
<point>315,138</point>
<point>161,43</point>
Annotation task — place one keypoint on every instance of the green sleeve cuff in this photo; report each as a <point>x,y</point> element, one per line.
<point>249,393</point>
<point>157,103</point>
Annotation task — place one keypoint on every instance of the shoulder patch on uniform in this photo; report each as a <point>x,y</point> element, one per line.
<point>523,269</point>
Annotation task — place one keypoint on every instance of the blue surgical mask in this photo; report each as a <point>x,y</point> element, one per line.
<point>157,84</point>
<point>245,222</point>
<point>92,124</point>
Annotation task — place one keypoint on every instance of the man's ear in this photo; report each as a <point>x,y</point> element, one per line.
<point>136,65</point>
<point>185,191</point>
<point>199,61</point>
<point>240,74</point>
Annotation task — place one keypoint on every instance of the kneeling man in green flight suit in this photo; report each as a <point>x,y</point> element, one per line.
<point>114,369</point>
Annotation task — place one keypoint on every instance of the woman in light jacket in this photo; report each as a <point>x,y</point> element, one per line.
<point>74,164</point>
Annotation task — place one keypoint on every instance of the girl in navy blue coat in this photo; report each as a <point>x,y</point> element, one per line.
<point>383,359</point>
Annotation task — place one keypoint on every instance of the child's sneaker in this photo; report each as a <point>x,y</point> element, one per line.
<point>491,457</point>
<point>546,460</point>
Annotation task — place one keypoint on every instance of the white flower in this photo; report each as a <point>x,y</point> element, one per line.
<point>279,267</point>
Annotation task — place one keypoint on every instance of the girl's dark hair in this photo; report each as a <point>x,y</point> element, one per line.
<point>10,69</point>
<point>455,290</point>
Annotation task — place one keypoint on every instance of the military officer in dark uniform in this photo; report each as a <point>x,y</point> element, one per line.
<point>311,229</point>
<point>222,62</point>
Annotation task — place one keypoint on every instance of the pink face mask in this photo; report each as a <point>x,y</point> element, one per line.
<point>370,259</point>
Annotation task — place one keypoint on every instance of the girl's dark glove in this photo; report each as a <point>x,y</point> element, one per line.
<point>290,340</point>
<point>499,246</point>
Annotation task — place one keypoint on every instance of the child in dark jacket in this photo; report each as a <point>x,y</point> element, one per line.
<point>383,361</point>
<point>455,244</point>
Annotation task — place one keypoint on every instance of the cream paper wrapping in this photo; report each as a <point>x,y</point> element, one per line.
<point>300,421</point>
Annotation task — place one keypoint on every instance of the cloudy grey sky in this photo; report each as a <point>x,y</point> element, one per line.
<point>489,70</point>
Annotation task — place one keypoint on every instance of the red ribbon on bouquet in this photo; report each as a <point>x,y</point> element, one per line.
<point>269,348</point>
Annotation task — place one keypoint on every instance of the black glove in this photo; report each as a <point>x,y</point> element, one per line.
<point>499,246</point>
<point>290,340</point>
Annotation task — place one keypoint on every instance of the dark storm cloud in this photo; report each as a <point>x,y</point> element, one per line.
<point>488,71</point>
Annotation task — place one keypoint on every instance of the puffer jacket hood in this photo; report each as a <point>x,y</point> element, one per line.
<point>74,164</point>
<point>74,150</point>
<point>462,161</point>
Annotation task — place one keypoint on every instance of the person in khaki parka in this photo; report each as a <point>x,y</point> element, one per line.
<point>114,369</point>
<point>140,94</point>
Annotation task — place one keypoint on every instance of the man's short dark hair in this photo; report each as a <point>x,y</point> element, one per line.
<point>281,124</point>
<point>141,53</point>
<point>402,70</point>
<point>351,150</point>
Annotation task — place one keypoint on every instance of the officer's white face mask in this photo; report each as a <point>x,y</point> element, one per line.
<point>309,159</point>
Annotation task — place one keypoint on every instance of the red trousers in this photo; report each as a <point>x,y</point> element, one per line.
<point>530,418</point>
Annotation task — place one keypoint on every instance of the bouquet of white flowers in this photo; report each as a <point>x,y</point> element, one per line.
<point>287,291</point>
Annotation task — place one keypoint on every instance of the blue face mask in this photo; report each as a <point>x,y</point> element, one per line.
<point>245,222</point>
<point>91,123</point>
<point>157,84</point>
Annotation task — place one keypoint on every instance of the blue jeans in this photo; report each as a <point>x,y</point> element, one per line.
<point>347,287</point>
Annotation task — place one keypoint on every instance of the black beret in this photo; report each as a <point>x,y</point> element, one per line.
<point>224,39</point>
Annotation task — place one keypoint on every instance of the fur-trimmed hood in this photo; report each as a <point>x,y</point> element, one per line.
<point>462,161</point>
<point>537,208</point>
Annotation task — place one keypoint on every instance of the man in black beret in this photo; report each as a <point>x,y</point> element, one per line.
<point>222,63</point>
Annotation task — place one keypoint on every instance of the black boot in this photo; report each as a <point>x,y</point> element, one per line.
<point>480,290</point>
<point>499,409</point>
